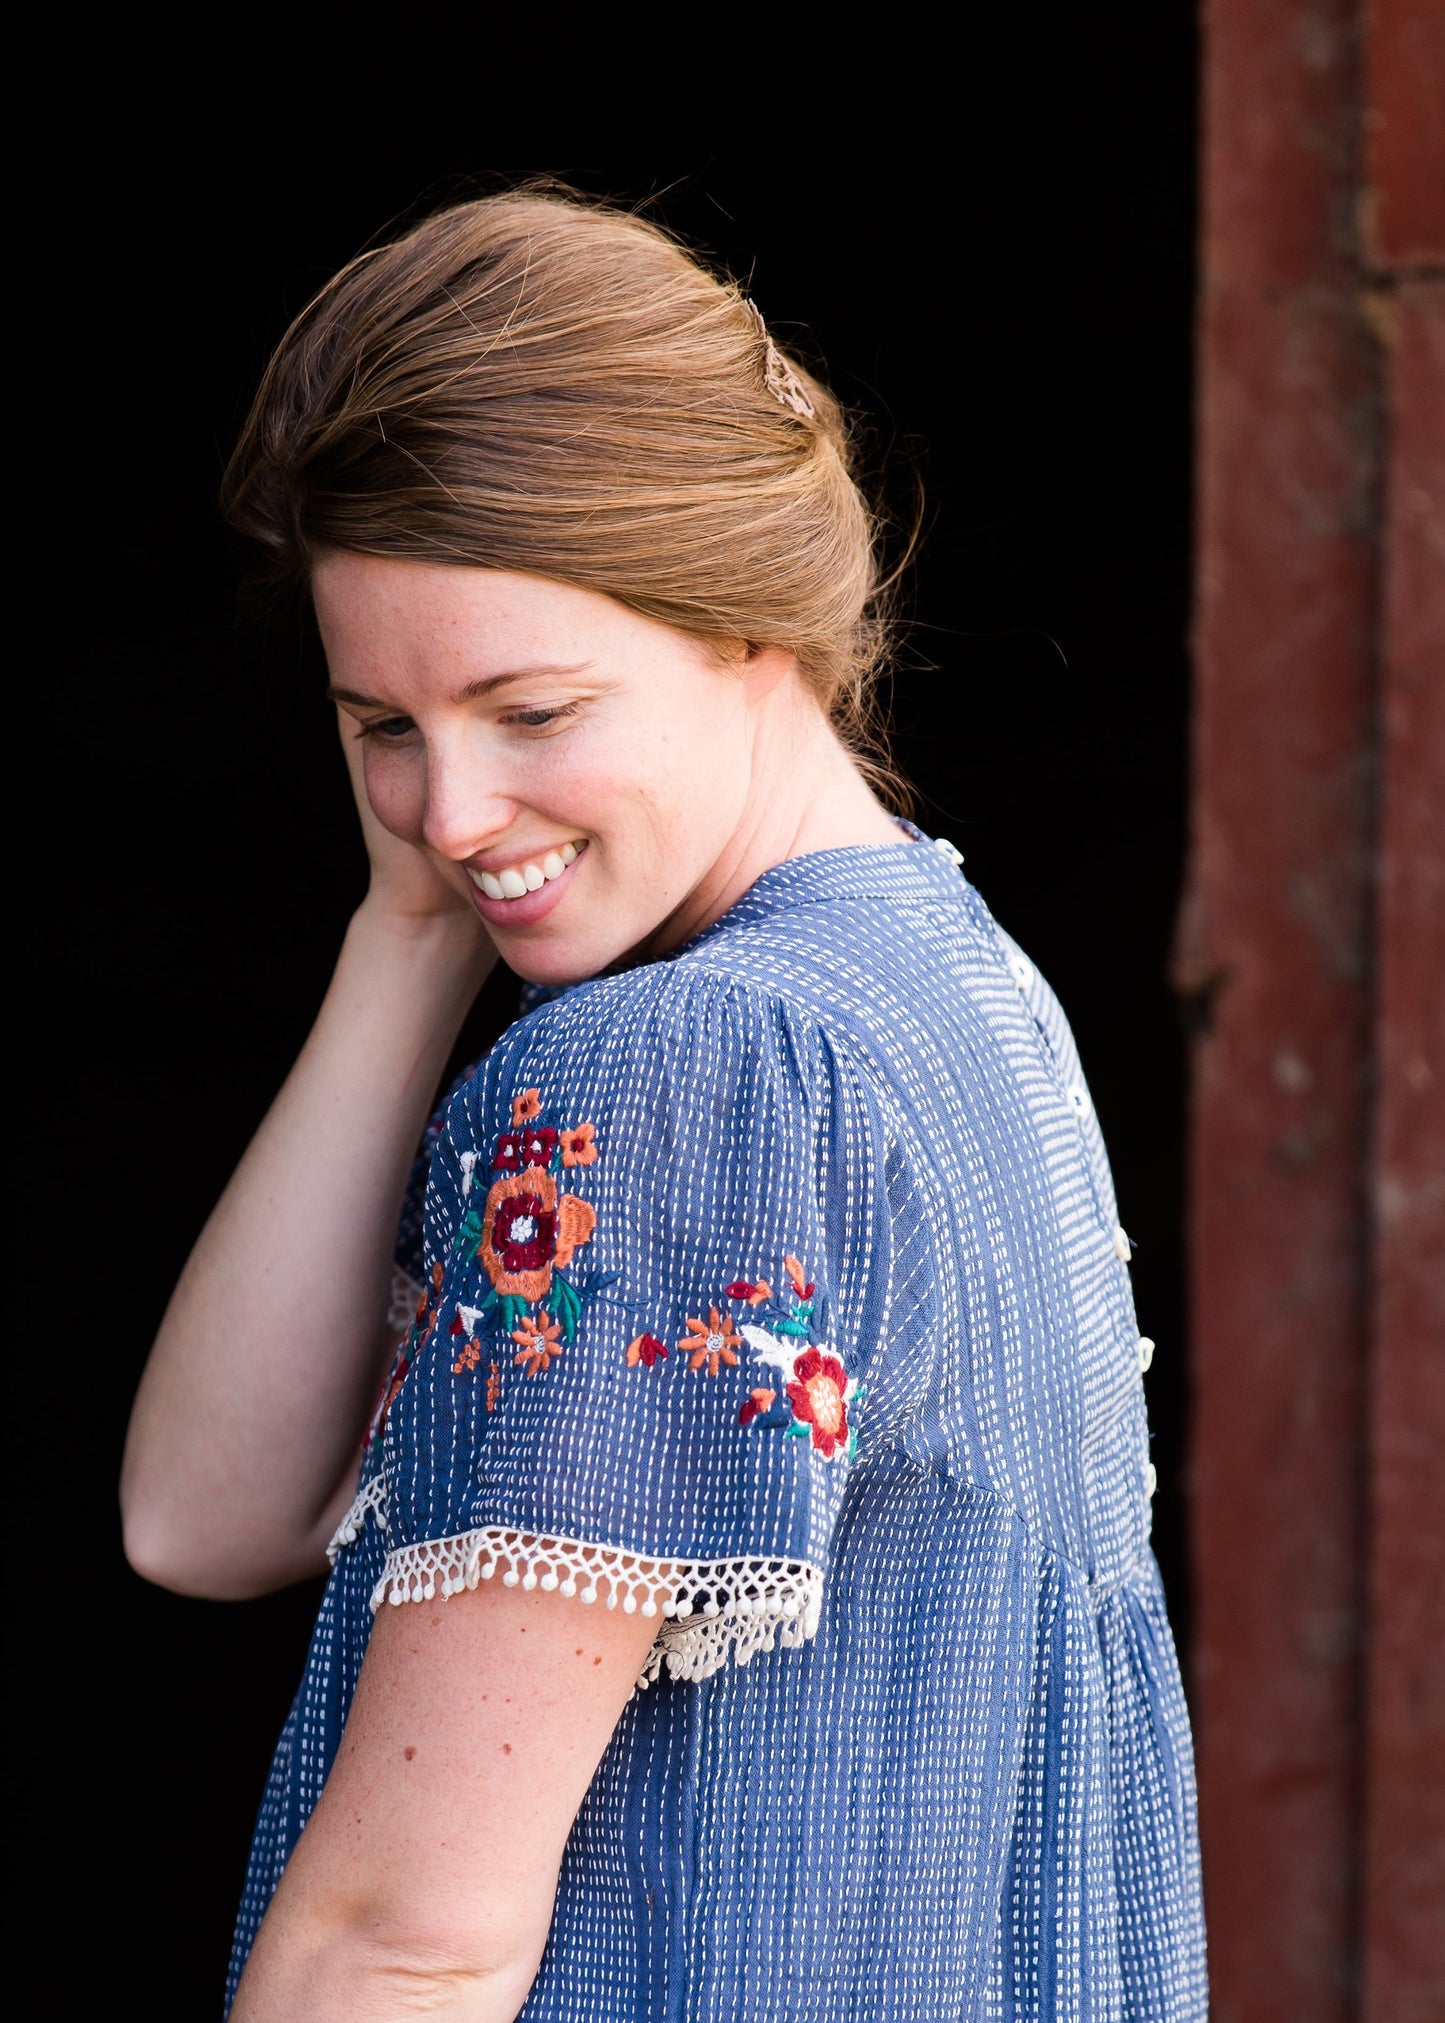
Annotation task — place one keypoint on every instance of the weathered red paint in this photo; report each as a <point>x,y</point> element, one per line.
<point>1404,1923</point>
<point>1405,131</point>
<point>1276,949</point>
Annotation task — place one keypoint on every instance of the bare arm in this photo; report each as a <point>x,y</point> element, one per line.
<point>425,1880</point>
<point>242,1445</point>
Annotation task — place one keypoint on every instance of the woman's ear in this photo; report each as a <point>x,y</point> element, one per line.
<point>766,667</point>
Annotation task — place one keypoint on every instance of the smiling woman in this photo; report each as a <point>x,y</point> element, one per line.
<point>764,1283</point>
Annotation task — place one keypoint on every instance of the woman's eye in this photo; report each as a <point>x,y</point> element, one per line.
<point>539,719</point>
<point>389,729</point>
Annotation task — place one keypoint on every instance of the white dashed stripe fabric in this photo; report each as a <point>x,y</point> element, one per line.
<point>779,1288</point>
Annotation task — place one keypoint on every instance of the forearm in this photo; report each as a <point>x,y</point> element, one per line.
<point>267,1360</point>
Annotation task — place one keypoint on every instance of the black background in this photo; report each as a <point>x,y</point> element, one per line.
<point>1003,282</point>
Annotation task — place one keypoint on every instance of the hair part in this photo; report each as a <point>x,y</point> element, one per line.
<point>547,384</point>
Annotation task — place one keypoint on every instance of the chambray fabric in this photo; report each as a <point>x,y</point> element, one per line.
<point>970,1793</point>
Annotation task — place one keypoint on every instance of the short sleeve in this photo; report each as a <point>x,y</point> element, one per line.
<point>655,1272</point>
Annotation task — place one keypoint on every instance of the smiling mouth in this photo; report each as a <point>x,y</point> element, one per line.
<point>530,875</point>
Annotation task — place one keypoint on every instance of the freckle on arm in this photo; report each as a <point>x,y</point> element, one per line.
<point>409,1752</point>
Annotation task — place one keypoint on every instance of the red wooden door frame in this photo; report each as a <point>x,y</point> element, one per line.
<point>1311,944</point>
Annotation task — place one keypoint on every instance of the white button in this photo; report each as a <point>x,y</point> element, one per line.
<point>1146,1352</point>
<point>1079,1100</point>
<point>1123,1249</point>
<point>950,850</point>
<point>1151,1479</point>
<point>1021,970</point>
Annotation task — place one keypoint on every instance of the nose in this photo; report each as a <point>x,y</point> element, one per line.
<point>467,806</point>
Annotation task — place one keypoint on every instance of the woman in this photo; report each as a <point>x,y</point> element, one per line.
<point>763,1284</point>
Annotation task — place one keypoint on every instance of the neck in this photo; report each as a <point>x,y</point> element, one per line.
<point>805,794</point>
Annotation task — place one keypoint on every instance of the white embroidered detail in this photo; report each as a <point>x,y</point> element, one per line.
<point>713,1609</point>
<point>402,1302</point>
<point>371,1498</point>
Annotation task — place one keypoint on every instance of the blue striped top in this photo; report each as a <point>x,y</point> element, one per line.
<point>777,1289</point>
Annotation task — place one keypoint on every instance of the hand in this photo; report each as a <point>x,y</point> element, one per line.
<point>405,885</point>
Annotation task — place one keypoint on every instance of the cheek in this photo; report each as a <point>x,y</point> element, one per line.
<point>396,790</point>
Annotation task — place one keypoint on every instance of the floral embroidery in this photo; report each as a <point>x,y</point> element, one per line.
<point>467,1359</point>
<point>528,1230</point>
<point>539,1346</point>
<point>754,1294</point>
<point>797,1274</point>
<point>494,1386</point>
<point>428,1312</point>
<point>757,1402</point>
<point>518,1149</point>
<point>817,1392</point>
<point>647,1350</point>
<point>713,1342</point>
<point>579,1146</point>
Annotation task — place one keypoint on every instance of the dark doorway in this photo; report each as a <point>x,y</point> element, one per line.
<point>1011,308</point>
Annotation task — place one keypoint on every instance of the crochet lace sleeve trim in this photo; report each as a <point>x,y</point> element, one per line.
<point>711,1610</point>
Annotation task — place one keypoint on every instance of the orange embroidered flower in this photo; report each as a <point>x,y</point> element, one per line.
<point>647,1350</point>
<point>539,1343</point>
<point>519,1234</point>
<point>712,1342</point>
<point>802,1284</point>
<point>818,1394</point>
<point>526,1106</point>
<point>467,1359</point>
<point>494,1387</point>
<point>576,1220</point>
<point>578,1148</point>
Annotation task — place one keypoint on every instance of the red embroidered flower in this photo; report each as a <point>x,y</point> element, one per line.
<point>647,1350</point>
<point>818,1394</point>
<point>526,1106</point>
<point>753,1292</point>
<point>518,1149</point>
<point>756,1402</point>
<point>539,1343</point>
<point>712,1342</point>
<point>578,1148</point>
<point>524,1232</point>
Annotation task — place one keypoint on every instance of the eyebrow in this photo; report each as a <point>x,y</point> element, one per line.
<point>474,690</point>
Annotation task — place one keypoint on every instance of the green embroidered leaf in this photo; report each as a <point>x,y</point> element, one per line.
<point>791,1328</point>
<point>567,1305</point>
<point>798,1431</point>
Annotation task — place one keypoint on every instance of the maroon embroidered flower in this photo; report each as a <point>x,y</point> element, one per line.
<point>519,1149</point>
<point>818,1395</point>
<point>647,1350</point>
<point>524,1232</point>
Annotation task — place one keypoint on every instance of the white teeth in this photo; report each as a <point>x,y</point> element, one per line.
<point>518,879</point>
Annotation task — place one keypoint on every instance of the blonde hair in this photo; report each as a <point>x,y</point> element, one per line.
<point>542,383</point>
